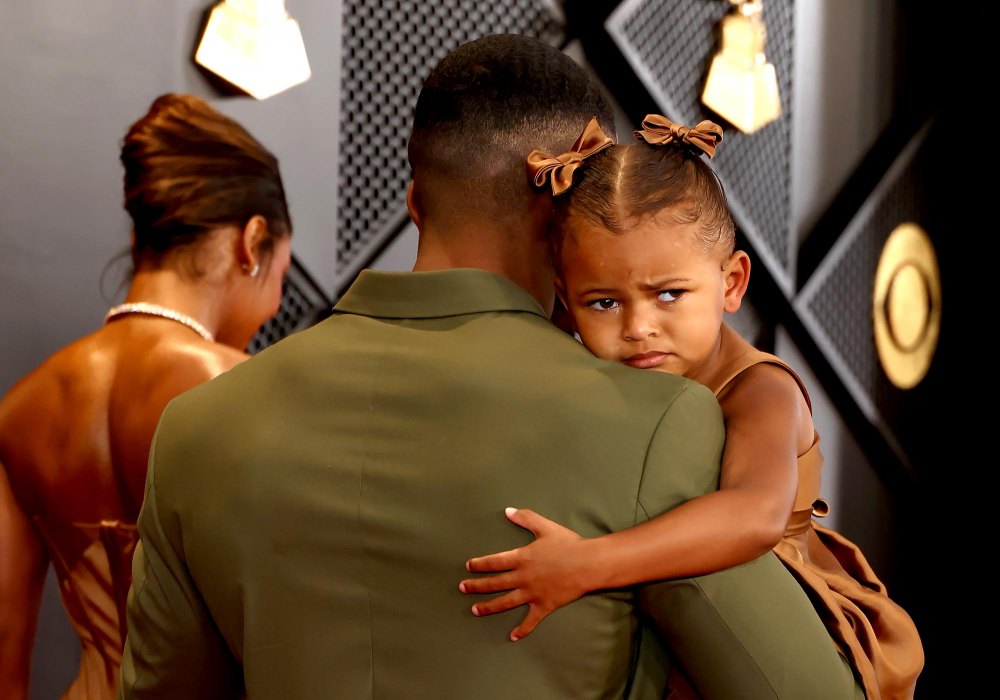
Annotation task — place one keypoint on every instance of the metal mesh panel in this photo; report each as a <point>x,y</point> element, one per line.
<point>837,301</point>
<point>301,303</point>
<point>842,303</point>
<point>670,45</point>
<point>389,48</point>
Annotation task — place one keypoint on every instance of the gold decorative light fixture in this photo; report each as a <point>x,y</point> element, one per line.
<point>742,86</point>
<point>906,305</point>
<point>255,45</point>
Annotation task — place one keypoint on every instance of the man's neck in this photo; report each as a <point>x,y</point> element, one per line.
<point>484,247</point>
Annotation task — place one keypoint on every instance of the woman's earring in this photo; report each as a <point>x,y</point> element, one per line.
<point>255,270</point>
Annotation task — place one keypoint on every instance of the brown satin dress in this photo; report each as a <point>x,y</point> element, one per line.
<point>93,566</point>
<point>876,635</point>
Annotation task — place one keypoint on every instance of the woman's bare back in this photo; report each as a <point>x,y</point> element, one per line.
<point>75,433</point>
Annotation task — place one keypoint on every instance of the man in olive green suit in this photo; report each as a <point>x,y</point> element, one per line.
<point>308,514</point>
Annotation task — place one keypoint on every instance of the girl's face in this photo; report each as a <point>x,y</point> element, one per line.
<point>651,298</point>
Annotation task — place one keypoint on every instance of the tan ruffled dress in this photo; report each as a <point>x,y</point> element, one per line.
<point>874,633</point>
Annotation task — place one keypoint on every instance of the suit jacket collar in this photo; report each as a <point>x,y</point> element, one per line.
<point>434,294</point>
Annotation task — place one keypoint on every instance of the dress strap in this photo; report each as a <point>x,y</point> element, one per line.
<point>745,360</point>
<point>119,540</point>
<point>810,462</point>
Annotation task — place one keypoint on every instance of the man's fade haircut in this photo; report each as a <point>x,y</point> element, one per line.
<point>487,105</point>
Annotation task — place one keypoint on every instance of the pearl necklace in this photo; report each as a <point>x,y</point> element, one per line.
<point>147,309</point>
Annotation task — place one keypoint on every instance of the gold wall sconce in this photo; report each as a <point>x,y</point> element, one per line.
<point>906,305</point>
<point>742,86</point>
<point>255,45</point>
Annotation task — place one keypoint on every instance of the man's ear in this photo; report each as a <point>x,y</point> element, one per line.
<point>411,206</point>
<point>560,291</point>
<point>561,317</point>
<point>735,278</point>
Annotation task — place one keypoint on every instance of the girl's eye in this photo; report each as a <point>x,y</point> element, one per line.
<point>669,295</point>
<point>603,304</point>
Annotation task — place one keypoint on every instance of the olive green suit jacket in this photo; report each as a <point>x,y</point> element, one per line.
<point>308,515</point>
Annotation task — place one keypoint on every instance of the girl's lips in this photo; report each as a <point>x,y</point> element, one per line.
<point>646,360</point>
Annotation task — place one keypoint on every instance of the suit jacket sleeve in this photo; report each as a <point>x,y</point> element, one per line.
<point>173,648</point>
<point>746,632</point>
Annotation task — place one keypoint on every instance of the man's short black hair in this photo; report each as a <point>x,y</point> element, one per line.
<point>489,103</point>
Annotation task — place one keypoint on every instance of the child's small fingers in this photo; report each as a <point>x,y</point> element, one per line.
<point>489,584</point>
<point>529,623</point>
<point>501,561</point>
<point>539,525</point>
<point>528,519</point>
<point>500,604</point>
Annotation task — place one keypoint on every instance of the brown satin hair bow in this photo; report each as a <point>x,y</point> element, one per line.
<point>659,131</point>
<point>558,170</point>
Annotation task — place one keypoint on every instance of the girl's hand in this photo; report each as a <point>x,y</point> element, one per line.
<point>545,575</point>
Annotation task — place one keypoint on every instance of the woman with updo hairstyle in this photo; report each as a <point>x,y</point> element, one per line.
<point>210,248</point>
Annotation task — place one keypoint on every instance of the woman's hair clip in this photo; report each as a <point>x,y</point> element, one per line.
<point>558,170</point>
<point>660,131</point>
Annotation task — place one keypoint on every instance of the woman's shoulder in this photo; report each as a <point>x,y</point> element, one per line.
<point>64,396</point>
<point>72,367</point>
<point>170,366</point>
<point>85,372</point>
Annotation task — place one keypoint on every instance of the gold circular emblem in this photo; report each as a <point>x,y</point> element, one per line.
<point>906,306</point>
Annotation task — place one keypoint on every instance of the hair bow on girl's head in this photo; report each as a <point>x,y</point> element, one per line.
<point>658,130</point>
<point>558,170</point>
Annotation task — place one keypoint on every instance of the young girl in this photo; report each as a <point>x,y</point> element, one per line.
<point>644,244</point>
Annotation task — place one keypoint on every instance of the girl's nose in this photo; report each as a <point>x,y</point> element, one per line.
<point>638,326</point>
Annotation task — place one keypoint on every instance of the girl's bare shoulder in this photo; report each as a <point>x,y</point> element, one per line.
<point>769,392</point>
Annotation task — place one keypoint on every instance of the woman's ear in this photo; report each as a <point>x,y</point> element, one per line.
<point>248,252</point>
<point>411,206</point>
<point>735,278</point>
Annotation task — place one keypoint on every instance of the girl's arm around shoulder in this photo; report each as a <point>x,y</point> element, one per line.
<point>763,411</point>
<point>742,520</point>
<point>768,425</point>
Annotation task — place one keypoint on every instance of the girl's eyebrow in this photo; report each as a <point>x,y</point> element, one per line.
<point>588,292</point>
<point>665,284</point>
<point>670,282</point>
